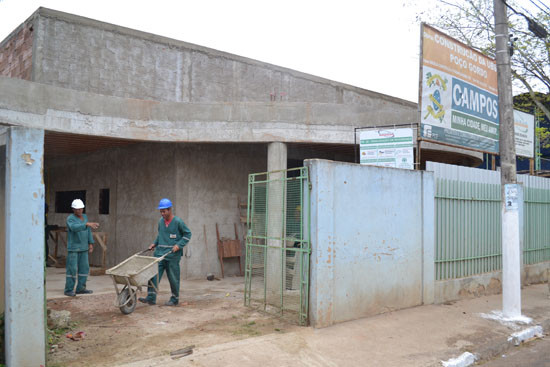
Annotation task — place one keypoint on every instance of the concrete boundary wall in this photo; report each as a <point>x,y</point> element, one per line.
<point>372,240</point>
<point>486,283</point>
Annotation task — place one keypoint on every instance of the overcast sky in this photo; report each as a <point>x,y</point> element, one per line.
<point>368,44</point>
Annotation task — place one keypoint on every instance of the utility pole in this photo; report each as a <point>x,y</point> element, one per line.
<point>511,279</point>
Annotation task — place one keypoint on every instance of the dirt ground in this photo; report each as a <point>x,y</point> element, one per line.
<point>209,313</point>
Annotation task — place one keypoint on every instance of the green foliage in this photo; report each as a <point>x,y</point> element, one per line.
<point>543,134</point>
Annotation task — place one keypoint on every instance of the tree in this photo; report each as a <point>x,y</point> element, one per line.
<point>472,22</point>
<point>524,102</point>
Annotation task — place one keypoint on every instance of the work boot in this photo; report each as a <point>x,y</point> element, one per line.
<point>69,293</point>
<point>146,300</point>
<point>85,291</point>
<point>171,303</point>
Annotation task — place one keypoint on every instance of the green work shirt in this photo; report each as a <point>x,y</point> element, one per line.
<point>79,236</point>
<point>177,233</point>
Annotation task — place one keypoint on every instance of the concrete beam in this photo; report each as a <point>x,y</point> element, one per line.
<point>24,262</point>
<point>34,105</point>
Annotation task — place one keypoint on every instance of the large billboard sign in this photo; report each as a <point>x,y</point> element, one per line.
<point>387,148</point>
<point>459,95</point>
<point>524,127</point>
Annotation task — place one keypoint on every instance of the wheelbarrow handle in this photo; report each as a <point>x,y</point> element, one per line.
<point>161,257</point>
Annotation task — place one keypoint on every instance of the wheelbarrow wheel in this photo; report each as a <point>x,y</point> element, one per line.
<point>127,300</point>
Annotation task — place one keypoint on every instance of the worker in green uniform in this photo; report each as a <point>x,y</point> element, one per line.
<point>79,244</point>
<point>172,236</point>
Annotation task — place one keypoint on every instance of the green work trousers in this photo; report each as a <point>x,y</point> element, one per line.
<point>172,267</point>
<point>77,267</point>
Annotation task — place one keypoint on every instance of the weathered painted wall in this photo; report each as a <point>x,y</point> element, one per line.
<point>16,52</point>
<point>2,219</point>
<point>204,181</point>
<point>372,241</point>
<point>24,314</point>
<point>113,60</point>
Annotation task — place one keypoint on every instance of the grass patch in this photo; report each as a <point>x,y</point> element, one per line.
<point>247,329</point>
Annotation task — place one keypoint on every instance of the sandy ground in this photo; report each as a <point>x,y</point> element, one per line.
<point>209,313</point>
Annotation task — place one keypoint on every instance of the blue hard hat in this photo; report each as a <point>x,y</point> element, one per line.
<point>165,204</point>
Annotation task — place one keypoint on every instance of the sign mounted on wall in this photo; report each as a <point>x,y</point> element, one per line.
<point>458,94</point>
<point>524,128</point>
<point>387,148</point>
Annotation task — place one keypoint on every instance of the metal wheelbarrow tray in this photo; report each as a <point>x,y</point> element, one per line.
<point>136,271</point>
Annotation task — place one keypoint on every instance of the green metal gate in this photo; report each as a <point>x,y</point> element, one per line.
<point>277,243</point>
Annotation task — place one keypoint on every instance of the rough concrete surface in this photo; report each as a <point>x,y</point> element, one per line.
<point>223,331</point>
<point>204,181</point>
<point>113,60</point>
<point>532,354</point>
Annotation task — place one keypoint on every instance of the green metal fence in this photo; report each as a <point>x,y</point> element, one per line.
<point>468,220</point>
<point>467,233</point>
<point>277,243</point>
<point>536,227</point>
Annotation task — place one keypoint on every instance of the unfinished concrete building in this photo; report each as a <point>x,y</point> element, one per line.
<point>129,117</point>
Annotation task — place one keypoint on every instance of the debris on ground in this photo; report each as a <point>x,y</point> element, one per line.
<point>79,335</point>
<point>180,353</point>
<point>58,319</point>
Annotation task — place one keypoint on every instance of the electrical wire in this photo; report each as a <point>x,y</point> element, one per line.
<point>541,9</point>
<point>538,30</point>
<point>543,4</point>
<point>514,10</point>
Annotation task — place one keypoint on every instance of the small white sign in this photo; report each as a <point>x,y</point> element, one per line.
<point>387,148</point>
<point>511,197</point>
<point>524,129</point>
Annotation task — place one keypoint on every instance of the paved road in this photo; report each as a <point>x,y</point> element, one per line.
<point>533,354</point>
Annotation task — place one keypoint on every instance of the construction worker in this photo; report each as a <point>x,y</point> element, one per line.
<point>172,236</point>
<point>79,244</point>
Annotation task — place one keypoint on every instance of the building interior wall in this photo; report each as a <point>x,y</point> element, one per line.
<point>205,182</point>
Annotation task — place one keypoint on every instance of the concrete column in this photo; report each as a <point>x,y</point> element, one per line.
<point>2,215</point>
<point>321,289</point>
<point>24,263</point>
<point>428,237</point>
<point>277,154</point>
<point>276,160</point>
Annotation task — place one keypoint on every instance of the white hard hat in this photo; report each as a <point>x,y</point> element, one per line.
<point>77,204</point>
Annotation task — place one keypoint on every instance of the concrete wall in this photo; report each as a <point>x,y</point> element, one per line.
<point>203,180</point>
<point>2,219</point>
<point>88,55</point>
<point>36,105</point>
<point>487,283</point>
<point>16,52</point>
<point>372,240</point>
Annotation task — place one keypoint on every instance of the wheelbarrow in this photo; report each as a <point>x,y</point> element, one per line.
<point>133,273</point>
